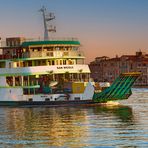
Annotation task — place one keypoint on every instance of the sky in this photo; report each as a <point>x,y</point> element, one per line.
<point>104,27</point>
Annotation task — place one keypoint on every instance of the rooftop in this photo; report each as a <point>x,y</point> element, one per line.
<point>51,42</point>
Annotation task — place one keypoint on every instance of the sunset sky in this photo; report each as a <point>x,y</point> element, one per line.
<point>104,27</point>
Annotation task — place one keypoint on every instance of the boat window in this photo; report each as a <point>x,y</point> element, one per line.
<point>70,62</point>
<point>17,64</point>
<point>35,50</point>
<point>52,62</point>
<point>77,98</point>
<point>61,62</point>
<point>75,76</point>
<point>65,53</point>
<point>47,99</point>
<point>75,48</point>
<point>21,64</point>
<point>69,48</point>
<point>2,64</point>
<point>9,65</point>
<point>30,99</point>
<point>49,62</point>
<point>9,81</point>
<point>65,48</point>
<point>57,62</point>
<point>17,81</point>
<point>51,49</point>
<point>43,62</point>
<point>44,49</point>
<point>64,62</point>
<point>39,63</point>
<point>29,63</point>
<point>57,48</point>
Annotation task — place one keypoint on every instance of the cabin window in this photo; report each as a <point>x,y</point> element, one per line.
<point>44,49</point>
<point>70,62</point>
<point>75,76</point>
<point>16,64</point>
<point>52,62</point>
<point>57,48</point>
<point>61,62</point>
<point>57,62</point>
<point>65,53</point>
<point>9,81</point>
<point>51,49</point>
<point>77,98</point>
<point>75,48</point>
<point>44,62</point>
<point>65,49</point>
<point>17,81</point>
<point>29,63</point>
<point>84,76</point>
<point>64,62</point>
<point>69,48</point>
<point>49,62</point>
<point>39,63</point>
<point>47,99</point>
<point>2,64</point>
<point>30,99</point>
<point>51,54</point>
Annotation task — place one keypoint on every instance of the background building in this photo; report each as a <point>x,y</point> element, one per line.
<point>107,69</point>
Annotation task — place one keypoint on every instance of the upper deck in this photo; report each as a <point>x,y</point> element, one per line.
<point>20,48</point>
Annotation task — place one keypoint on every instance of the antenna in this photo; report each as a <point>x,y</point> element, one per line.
<point>47,18</point>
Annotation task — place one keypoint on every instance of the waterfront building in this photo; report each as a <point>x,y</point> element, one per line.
<point>107,69</point>
<point>101,70</point>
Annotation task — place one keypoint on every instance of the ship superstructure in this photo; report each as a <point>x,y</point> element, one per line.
<point>43,67</point>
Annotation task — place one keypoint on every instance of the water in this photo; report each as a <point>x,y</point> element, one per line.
<point>96,126</point>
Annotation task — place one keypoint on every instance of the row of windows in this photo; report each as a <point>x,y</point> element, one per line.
<point>51,49</point>
<point>41,63</point>
<point>45,80</point>
<point>44,62</point>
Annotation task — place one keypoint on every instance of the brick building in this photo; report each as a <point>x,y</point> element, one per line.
<point>107,69</point>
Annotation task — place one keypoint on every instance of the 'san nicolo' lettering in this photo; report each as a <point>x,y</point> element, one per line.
<point>59,67</point>
<point>68,67</point>
<point>65,67</point>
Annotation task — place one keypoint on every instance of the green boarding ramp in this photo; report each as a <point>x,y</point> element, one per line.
<point>120,89</point>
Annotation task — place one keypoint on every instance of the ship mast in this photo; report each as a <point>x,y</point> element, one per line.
<point>47,18</point>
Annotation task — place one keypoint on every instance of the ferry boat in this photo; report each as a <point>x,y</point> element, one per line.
<point>52,72</point>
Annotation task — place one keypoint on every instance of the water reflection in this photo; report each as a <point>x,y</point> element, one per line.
<point>124,113</point>
<point>63,126</point>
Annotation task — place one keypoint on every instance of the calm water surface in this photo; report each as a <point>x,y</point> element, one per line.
<point>99,126</point>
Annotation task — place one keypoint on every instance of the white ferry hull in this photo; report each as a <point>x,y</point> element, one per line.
<point>15,96</point>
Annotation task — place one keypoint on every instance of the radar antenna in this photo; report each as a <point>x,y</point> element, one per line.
<point>47,18</point>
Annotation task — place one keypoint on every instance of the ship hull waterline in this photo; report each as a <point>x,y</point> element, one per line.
<point>51,103</point>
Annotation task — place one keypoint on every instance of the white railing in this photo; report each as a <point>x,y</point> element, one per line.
<point>53,39</point>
